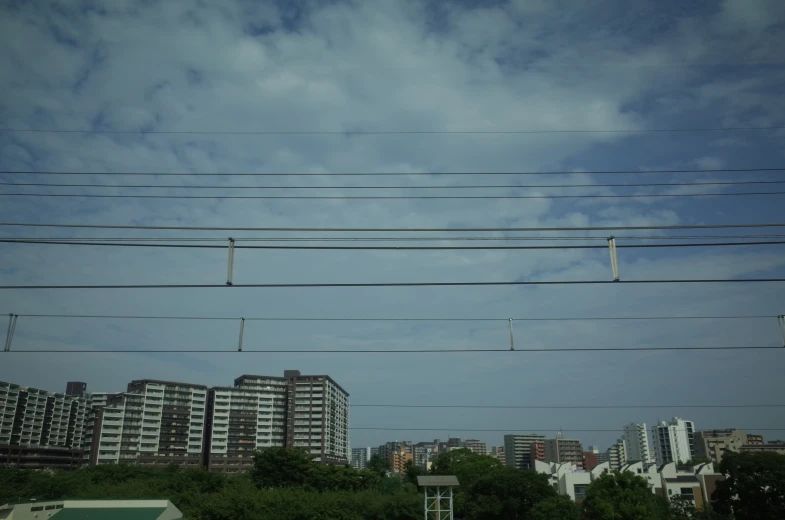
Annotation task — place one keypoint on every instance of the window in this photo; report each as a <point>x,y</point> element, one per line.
<point>37,508</point>
<point>687,491</point>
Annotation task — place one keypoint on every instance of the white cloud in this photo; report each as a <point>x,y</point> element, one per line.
<point>384,66</point>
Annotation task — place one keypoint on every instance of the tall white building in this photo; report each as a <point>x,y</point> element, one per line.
<point>154,423</point>
<point>245,418</point>
<point>674,441</point>
<point>636,437</point>
<point>517,449</point>
<point>617,454</point>
<point>360,457</point>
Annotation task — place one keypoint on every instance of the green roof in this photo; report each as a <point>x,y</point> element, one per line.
<point>109,513</point>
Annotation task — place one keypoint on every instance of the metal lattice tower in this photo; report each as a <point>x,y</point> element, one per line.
<point>438,496</point>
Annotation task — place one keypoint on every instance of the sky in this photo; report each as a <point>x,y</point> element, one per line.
<point>619,69</point>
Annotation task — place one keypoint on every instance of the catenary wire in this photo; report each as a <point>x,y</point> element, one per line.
<point>387,351</point>
<point>393,197</point>
<point>399,174</point>
<point>269,318</point>
<point>564,407</point>
<point>582,430</point>
<point>453,187</point>
<point>388,132</point>
<point>390,230</point>
<point>383,248</point>
<point>393,284</point>
<point>394,239</point>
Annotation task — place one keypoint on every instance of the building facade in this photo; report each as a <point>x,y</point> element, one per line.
<point>318,407</point>
<point>423,454</point>
<point>674,441</point>
<point>360,457</point>
<point>636,438</point>
<point>154,423</point>
<point>517,449</point>
<point>476,446</point>
<point>712,444</point>
<point>244,419</point>
<point>48,425</point>
<point>617,454</point>
<point>564,451</point>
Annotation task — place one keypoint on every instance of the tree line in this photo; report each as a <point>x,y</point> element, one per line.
<point>287,484</point>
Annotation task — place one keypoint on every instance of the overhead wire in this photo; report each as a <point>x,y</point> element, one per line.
<point>563,407</point>
<point>381,248</point>
<point>393,197</point>
<point>389,132</point>
<point>386,351</point>
<point>306,318</point>
<point>453,187</point>
<point>764,170</point>
<point>392,284</point>
<point>581,430</point>
<point>389,230</point>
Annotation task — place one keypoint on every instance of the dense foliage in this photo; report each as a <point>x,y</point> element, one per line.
<point>286,484</point>
<point>754,487</point>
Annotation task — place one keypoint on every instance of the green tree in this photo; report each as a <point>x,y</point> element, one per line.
<point>378,465</point>
<point>754,486</point>
<point>281,467</point>
<point>412,471</point>
<point>620,496</point>
<point>506,493</point>
<point>560,507</point>
<point>464,464</point>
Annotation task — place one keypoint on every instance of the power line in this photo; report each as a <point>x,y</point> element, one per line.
<point>382,248</point>
<point>389,197</point>
<point>582,430</point>
<point>564,407</point>
<point>453,187</point>
<point>301,318</point>
<point>388,230</point>
<point>392,284</point>
<point>399,174</point>
<point>395,239</point>
<point>386,351</point>
<point>387,132</point>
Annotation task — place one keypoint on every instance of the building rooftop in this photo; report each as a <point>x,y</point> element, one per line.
<point>109,513</point>
<point>438,480</point>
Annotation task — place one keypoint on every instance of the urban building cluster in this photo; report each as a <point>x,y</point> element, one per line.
<point>156,423</point>
<point>674,457</point>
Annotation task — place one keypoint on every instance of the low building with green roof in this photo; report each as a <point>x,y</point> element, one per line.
<point>139,509</point>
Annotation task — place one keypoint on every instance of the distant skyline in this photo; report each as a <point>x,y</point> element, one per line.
<point>355,68</point>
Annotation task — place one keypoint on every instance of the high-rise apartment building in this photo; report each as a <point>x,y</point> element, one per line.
<point>674,441</point>
<point>712,444</point>
<point>398,460</point>
<point>636,438</point>
<point>617,454</point>
<point>475,445</point>
<point>424,453</point>
<point>517,449</point>
<point>41,423</point>
<point>75,388</point>
<point>154,423</point>
<point>564,450</point>
<point>498,453</point>
<point>360,457</point>
<point>318,414</point>
<point>245,418</point>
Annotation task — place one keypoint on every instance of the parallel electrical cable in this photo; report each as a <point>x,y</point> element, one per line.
<point>383,248</point>
<point>387,132</point>
<point>453,187</point>
<point>394,239</point>
<point>582,430</point>
<point>393,197</point>
<point>398,174</point>
<point>301,318</point>
<point>564,407</point>
<point>391,230</point>
<point>387,351</point>
<point>393,284</point>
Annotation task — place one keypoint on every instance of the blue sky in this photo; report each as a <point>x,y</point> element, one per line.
<point>377,66</point>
